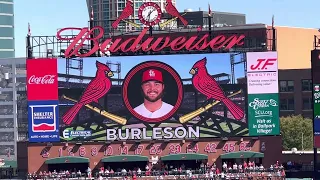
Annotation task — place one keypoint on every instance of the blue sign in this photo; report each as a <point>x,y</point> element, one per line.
<point>43,117</point>
<point>317,126</point>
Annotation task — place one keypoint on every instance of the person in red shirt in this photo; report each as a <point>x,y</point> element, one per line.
<point>217,171</point>
<point>134,177</point>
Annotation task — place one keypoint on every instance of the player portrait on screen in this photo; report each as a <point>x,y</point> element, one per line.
<point>152,87</point>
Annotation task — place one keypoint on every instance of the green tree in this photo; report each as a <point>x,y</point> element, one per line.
<point>293,128</point>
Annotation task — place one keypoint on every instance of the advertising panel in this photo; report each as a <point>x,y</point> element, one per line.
<point>316,111</point>
<point>152,97</point>
<point>263,113</point>
<point>42,79</point>
<point>43,121</point>
<point>262,72</point>
<point>315,63</point>
<point>263,97</point>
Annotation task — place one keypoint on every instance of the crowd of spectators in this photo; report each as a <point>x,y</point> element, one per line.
<point>241,171</point>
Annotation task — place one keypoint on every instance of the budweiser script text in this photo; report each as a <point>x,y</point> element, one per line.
<point>135,44</point>
<point>47,79</point>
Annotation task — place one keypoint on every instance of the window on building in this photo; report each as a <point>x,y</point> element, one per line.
<point>286,86</point>
<point>306,85</point>
<point>307,103</point>
<point>6,136</point>
<point>287,104</point>
<point>6,109</point>
<point>6,150</point>
<point>6,123</point>
<point>105,7</point>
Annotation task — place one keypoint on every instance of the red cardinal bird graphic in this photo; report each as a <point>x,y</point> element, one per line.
<point>174,12</point>
<point>208,86</point>
<point>96,89</point>
<point>127,11</point>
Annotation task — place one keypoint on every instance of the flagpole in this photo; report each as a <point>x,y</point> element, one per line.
<point>209,23</point>
<point>91,24</point>
<point>28,43</point>
<point>274,41</point>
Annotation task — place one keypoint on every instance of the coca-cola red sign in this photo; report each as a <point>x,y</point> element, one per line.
<point>134,44</point>
<point>42,79</point>
<point>47,79</point>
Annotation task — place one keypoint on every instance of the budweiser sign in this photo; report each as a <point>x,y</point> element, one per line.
<point>47,79</point>
<point>135,44</point>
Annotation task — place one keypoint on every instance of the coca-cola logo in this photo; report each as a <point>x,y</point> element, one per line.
<point>46,79</point>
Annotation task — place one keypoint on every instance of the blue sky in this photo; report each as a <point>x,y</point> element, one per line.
<point>46,16</point>
<point>216,63</point>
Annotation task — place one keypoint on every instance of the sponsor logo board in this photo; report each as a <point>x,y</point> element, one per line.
<point>43,121</point>
<point>42,76</point>
<point>263,112</point>
<point>262,73</point>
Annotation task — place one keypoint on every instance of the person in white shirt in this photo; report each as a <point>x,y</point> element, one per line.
<point>152,89</point>
<point>224,166</point>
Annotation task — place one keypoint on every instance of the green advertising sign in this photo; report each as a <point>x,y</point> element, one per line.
<point>263,114</point>
<point>316,98</point>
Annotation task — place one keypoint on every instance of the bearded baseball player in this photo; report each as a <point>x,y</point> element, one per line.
<point>152,88</point>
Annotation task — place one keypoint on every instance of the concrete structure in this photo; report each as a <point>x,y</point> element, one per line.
<point>12,104</point>
<point>7,29</point>
<point>294,46</point>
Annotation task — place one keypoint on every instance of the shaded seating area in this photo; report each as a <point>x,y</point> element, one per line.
<point>67,163</point>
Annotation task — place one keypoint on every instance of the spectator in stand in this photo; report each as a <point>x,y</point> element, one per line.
<point>222,176</point>
<point>89,172</point>
<point>235,168</point>
<point>225,166</point>
<point>245,165</point>
<point>261,168</point>
<point>139,172</point>
<point>207,175</point>
<point>124,172</point>
<point>202,167</point>
<point>106,172</point>
<point>111,172</point>
<point>211,174</point>
<point>240,168</point>
<point>271,167</point>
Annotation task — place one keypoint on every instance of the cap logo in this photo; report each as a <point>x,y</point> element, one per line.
<point>152,73</point>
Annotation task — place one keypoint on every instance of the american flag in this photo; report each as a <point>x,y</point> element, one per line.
<point>209,11</point>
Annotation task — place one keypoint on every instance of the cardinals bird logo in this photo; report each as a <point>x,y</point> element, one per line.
<point>208,86</point>
<point>127,11</point>
<point>96,89</point>
<point>172,10</point>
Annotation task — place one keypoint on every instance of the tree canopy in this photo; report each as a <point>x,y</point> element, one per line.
<point>293,128</point>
